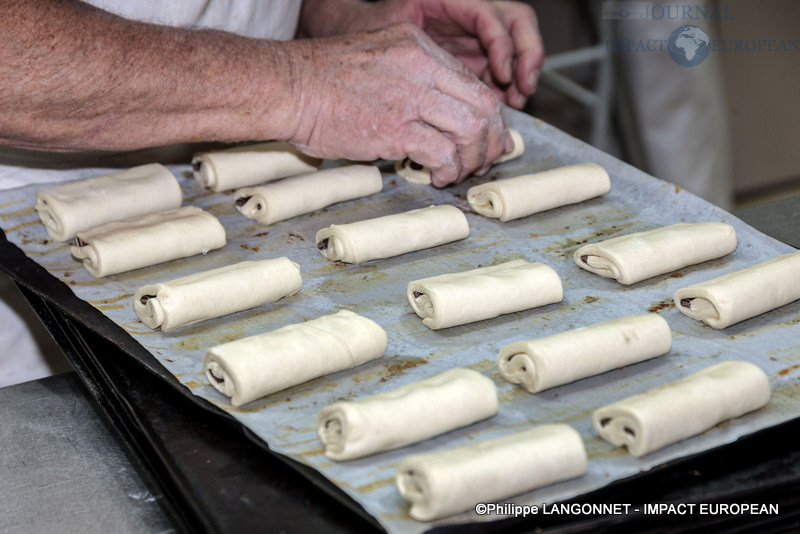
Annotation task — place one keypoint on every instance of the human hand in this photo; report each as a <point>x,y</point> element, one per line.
<point>498,41</point>
<point>393,93</point>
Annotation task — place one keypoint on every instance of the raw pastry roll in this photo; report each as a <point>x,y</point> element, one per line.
<point>565,357</point>
<point>417,174</point>
<point>635,257</point>
<point>678,410</point>
<point>216,293</point>
<point>73,207</point>
<point>256,366</point>
<point>392,235</point>
<point>459,298</point>
<point>443,483</point>
<point>243,166</point>
<point>409,414</point>
<point>121,246</point>
<point>297,195</point>
<point>742,294</point>
<point>527,194</point>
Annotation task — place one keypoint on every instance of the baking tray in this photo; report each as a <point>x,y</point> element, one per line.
<point>214,478</point>
<point>636,202</point>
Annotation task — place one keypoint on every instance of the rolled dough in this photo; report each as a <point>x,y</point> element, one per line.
<point>742,294</point>
<point>568,356</point>
<point>216,293</point>
<point>520,196</point>
<point>392,235</point>
<point>121,246</point>
<point>243,166</point>
<point>670,413</point>
<point>256,366</point>
<point>73,207</point>
<point>443,483</point>
<point>417,174</point>
<point>297,195</point>
<point>635,257</point>
<point>459,298</point>
<point>409,414</point>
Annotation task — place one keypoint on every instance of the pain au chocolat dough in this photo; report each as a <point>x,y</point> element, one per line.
<point>568,356</point>
<point>417,174</point>
<point>73,207</point>
<point>243,166</point>
<point>635,257</point>
<point>742,294</point>
<point>392,235</point>
<point>256,366</point>
<point>216,293</point>
<point>444,483</point>
<point>296,195</point>
<point>459,298</point>
<point>121,246</point>
<point>520,196</point>
<point>684,408</point>
<point>409,414</point>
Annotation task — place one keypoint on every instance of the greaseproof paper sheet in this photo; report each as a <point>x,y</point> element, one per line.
<point>376,289</point>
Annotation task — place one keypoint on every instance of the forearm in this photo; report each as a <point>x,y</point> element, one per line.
<point>325,18</point>
<point>75,78</point>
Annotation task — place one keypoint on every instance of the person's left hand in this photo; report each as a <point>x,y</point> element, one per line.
<point>498,41</point>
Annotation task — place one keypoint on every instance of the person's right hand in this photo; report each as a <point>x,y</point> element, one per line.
<point>393,93</point>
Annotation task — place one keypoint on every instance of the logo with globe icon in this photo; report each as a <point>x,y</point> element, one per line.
<point>688,46</point>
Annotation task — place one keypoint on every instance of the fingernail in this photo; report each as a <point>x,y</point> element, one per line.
<point>509,144</point>
<point>507,70</point>
<point>533,79</point>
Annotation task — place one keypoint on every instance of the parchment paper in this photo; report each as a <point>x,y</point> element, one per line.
<point>376,290</point>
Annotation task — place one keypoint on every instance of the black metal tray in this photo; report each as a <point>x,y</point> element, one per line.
<point>218,477</point>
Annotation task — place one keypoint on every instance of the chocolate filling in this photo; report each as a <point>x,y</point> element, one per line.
<point>604,421</point>
<point>215,377</point>
<point>415,166</point>
<point>145,298</point>
<point>630,431</point>
<point>417,294</point>
<point>322,245</point>
<point>196,165</point>
<point>686,303</point>
<point>79,242</point>
<point>241,201</point>
<point>585,258</point>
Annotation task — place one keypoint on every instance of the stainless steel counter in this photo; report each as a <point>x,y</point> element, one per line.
<point>64,469</point>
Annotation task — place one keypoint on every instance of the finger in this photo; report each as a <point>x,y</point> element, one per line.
<point>479,136</point>
<point>465,125</point>
<point>514,98</point>
<point>429,147</point>
<point>528,47</point>
<point>485,21</point>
